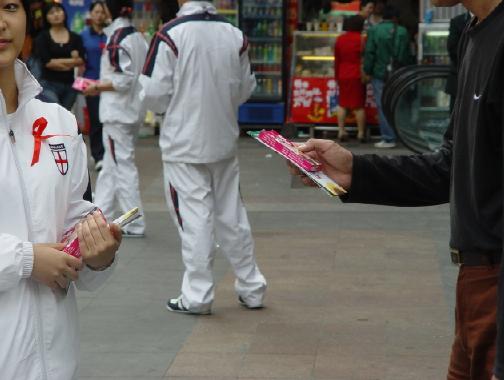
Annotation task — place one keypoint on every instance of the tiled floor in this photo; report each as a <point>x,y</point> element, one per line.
<point>355,292</point>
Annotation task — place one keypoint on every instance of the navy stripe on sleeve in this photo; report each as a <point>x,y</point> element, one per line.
<point>245,45</point>
<point>153,51</point>
<point>114,45</point>
<point>163,36</point>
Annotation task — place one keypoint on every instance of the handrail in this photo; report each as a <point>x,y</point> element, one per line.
<point>396,87</point>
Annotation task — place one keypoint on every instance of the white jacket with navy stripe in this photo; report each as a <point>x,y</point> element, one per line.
<point>39,337</point>
<point>121,64</point>
<point>198,72</point>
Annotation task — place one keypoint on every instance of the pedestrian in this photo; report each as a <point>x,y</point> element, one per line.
<point>59,51</point>
<point>94,40</point>
<point>367,8</point>
<point>348,52</point>
<point>466,172</point>
<point>387,48</point>
<point>376,15</point>
<point>43,178</point>
<point>198,73</point>
<point>121,113</point>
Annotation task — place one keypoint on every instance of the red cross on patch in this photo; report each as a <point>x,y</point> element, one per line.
<point>60,157</point>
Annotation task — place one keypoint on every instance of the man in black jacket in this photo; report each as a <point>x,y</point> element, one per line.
<point>466,172</point>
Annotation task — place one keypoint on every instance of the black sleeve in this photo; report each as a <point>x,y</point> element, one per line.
<point>78,45</point>
<point>415,180</point>
<point>42,51</point>
<point>453,41</point>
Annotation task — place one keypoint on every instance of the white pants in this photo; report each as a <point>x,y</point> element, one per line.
<point>118,179</point>
<point>205,202</point>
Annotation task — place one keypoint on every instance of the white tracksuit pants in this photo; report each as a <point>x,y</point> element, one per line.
<point>205,202</point>
<point>118,179</point>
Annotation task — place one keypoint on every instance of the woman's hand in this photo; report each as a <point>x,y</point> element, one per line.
<point>52,267</point>
<point>98,241</point>
<point>91,90</point>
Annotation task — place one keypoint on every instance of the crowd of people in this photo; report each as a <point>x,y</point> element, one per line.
<point>369,58</point>
<point>44,158</point>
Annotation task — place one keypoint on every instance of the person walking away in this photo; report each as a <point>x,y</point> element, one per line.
<point>121,113</point>
<point>348,53</point>
<point>387,45</point>
<point>466,172</point>
<point>60,51</point>
<point>198,73</point>
<point>43,177</point>
<point>94,40</point>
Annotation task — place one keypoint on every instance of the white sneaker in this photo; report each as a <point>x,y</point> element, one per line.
<point>385,145</point>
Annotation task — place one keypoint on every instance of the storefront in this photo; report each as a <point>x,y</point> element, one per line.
<point>313,93</point>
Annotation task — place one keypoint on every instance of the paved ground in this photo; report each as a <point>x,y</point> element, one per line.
<point>355,291</point>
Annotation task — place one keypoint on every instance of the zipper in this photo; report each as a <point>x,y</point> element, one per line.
<point>26,204</point>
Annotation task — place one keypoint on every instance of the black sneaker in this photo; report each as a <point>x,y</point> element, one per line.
<point>176,305</point>
<point>244,304</point>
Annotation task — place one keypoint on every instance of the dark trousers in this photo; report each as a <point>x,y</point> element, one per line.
<point>473,350</point>
<point>95,130</point>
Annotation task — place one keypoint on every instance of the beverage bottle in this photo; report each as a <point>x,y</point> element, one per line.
<point>265,53</point>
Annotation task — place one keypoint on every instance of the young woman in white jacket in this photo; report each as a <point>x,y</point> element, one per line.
<point>43,176</point>
<point>121,113</point>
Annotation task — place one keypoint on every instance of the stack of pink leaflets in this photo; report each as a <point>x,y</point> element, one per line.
<point>279,144</point>
<point>80,83</point>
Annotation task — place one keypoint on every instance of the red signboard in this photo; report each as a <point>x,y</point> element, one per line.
<point>352,7</point>
<point>314,101</point>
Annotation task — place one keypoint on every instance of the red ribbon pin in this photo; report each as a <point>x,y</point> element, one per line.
<point>38,129</point>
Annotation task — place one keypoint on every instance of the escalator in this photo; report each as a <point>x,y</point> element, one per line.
<point>417,107</point>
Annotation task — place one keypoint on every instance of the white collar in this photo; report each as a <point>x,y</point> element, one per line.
<point>120,22</point>
<point>195,7</point>
<point>27,85</point>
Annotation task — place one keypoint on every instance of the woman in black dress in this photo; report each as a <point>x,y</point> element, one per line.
<point>60,51</point>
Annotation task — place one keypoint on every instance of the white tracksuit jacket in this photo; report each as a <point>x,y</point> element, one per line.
<point>121,64</point>
<point>39,337</point>
<point>214,84</point>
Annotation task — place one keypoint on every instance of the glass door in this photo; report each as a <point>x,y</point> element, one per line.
<point>229,9</point>
<point>262,21</point>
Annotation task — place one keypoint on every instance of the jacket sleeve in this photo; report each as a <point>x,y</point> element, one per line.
<point>452,42</point>
<point>42,48</point>
<point>370,53</point>
<point>125,70</point>
<point>157,76</point>
<point>415,180</point>
<point>16,261</point>
<point>248,80</point>
<point>403,47</point>
<point>78,208</point>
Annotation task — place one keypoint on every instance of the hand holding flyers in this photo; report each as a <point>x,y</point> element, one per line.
<point>307,164</point>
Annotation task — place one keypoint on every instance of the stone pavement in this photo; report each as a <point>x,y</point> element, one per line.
<point>356,292</point>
